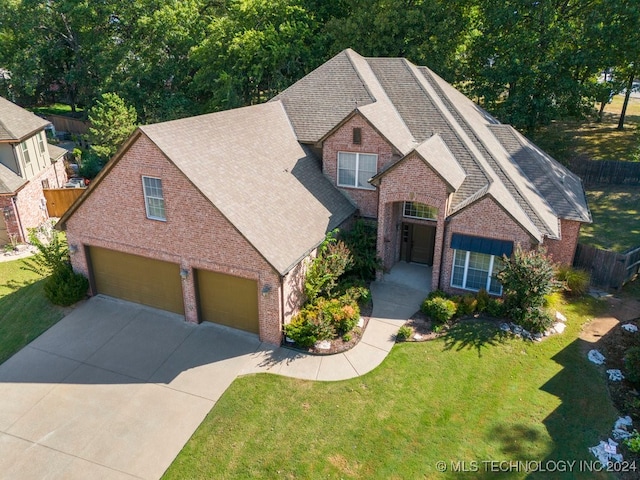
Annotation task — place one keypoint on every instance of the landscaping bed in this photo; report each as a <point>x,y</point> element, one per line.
<point>339,344</point>
<point>624,394</point>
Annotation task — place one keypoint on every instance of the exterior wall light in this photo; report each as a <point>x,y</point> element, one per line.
<point>265,290</point>
<point>184,273</point>
<point>73,248</point>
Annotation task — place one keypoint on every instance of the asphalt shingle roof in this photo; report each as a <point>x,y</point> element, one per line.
<point>409,105</point>
<point>249,164</point>
<point>16,123</point>
<point>9,181</point>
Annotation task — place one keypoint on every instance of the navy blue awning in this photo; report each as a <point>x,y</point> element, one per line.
<point>489,246</point>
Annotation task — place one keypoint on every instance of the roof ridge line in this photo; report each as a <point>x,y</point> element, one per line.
<point>491,159</point>
<point>348,53</point>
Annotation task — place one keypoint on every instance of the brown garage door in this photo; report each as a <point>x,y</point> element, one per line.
<point>137,279</point>
<point>4,235</point>
<point>228,300</point>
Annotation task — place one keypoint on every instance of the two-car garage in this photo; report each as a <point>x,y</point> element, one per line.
<point>221,298</point>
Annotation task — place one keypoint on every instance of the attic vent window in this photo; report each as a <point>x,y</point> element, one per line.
<point>357,136</point>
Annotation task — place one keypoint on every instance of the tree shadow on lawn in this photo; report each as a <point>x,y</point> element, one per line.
<point>473,334</point>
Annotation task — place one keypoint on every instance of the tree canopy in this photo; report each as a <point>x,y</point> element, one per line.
<point>528,62</point>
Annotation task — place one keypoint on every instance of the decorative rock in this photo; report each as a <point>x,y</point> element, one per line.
<point>606,452</point>
<point>323,345</point>
<point>615,375</point>
<point>560,317</point>
<point>505,327</point>
<point>417,336</point>
<point>361,322</point>
<point>596,357</point>
<point>547,333</point>
<point>559,327</point>
<point>289,340</point>
<point>630,327</point>
<point>536,337</point>
<point>620,431</point>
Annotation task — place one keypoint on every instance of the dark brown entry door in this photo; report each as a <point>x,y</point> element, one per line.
<point>418,242</point>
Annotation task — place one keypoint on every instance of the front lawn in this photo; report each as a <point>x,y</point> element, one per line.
<point>616,217</point>
<point>24,310</point>
<point>468,396</point>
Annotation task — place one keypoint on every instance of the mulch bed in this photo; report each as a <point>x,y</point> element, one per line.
<point>338,345</point>
<point>625,395</point>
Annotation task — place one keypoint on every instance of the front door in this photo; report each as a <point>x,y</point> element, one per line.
<point>418,242</point>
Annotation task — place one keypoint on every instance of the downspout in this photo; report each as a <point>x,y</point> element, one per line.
<point>282,308</point>
<point>14,200</point>
<point>56,173</point>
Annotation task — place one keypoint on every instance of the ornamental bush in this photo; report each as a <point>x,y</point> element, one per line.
<point>527,277</point>
<point>323,273</point>
<point>439,309</point>
<point>576,282</point>
<point>66,287</point>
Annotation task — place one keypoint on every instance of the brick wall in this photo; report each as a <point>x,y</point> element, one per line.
<point>485,218</point>
<point>30,200</point>
<point>371,142</point>
<point>411,180</point>
<point>563,250</point>
<point>194,235</point>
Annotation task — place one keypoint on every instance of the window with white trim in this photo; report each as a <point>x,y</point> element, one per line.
<point>41,142</point>
<point>355,169</point>
<point>474,271</point>
<point>153,198</point>
<point>420,210</point>
<point>25,152</point>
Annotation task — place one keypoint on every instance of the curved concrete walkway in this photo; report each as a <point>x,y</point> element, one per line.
<point>393,304</point>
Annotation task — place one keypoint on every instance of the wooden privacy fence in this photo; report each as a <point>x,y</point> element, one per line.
<point>60,199</point>
<point>68,124</point>
<point>608,269</point>
<point>606,171</point>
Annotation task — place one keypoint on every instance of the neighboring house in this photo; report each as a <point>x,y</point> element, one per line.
<point>214,216</point>
<point>27,165</point>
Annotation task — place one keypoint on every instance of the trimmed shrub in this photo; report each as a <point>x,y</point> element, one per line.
<point>495,307</point>
<point>437,294</point>
<point>632,364</point>
<point>466,304</point>
<point>439,309</point>
<point>483,300</point>
<point>309,326</point>
<point>576,282</point>
<point>65,287</point>
<point>404,333</point>
<point>341,316</point>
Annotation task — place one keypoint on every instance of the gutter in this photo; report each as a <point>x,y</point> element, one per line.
<point>14,200</point>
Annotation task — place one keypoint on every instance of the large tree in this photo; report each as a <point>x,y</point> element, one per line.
<point>253,51</point>
<point>527,62</point>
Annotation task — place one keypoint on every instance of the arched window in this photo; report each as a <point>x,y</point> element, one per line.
<point>420,210</point>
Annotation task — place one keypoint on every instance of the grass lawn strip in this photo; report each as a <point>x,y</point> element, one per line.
<point>616,217</point>
<point>25,312</point>
<point>443,400</point>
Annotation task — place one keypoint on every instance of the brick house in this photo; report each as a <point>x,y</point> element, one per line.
<point>213,216</point>
<point>27,165</point>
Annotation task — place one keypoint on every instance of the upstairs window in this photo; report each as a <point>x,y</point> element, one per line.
<point>153,198</point>
<point>41,142</point>
<point>355,169</point>
<point>420,210</point>
<point>25,152</point>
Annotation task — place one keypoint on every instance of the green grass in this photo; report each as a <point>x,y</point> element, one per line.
<point>24,310</point>
<point>470,396</point>
<point>58,109</point>
<point>616,217</point>
<point>594,140</point>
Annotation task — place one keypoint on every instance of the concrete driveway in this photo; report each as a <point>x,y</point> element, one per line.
<point>113,391</point>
